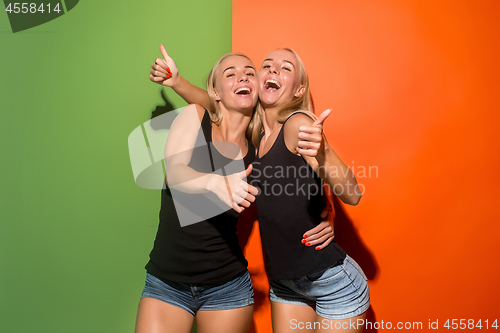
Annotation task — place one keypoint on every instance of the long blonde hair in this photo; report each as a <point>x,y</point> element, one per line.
<point>302,104</point>
<point>215,111</point>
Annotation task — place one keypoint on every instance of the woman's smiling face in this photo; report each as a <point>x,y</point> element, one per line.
<point>236,85</point>
<point>279,79</point>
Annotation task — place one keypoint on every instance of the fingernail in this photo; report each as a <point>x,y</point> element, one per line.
<point>305,236</point>
<point>303,241</point>
<point>308,244</point>
<point>317,248</point>
<point>168,69</point>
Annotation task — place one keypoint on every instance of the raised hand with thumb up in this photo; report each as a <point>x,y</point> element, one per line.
<point>311,138</point>
<point>164,71</point>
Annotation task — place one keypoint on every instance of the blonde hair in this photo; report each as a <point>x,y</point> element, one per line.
<point>215,111</point>
<point>302,104</point>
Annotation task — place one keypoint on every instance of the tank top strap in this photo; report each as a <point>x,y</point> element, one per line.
<point>294,113</point>
<point>206,126</point>
<point>258,146</point>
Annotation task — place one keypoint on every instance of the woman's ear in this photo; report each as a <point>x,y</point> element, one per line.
<point>300,91</point>
<point>216,95</point>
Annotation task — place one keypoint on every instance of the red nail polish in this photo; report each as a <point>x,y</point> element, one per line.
<point>303,241</point>
<point>305,236</point>
<point>308,244</point>
<point>317,248</point>
<point>168,69</point>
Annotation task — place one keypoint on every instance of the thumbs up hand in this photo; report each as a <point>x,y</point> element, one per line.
<point>234,189</point>
<point>311,142</point>
<point>164,71</point>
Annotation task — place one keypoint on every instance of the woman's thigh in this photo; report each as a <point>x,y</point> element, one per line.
<point>155,316</point>
<point>350,325</point>
<point>215,321</point>
<point>288,317</point>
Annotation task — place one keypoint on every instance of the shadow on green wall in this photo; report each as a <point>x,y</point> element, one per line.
<point>162,109</point>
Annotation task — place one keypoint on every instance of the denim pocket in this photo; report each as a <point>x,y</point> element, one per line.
<point>327,275</point>
<point>358,268</point>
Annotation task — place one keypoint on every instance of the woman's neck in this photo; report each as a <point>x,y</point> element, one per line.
<point>234,125</point>
<point>269,120</point>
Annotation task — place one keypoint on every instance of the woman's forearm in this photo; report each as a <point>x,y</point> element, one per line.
<point>183,178</point>
<point>191,93</point>
<point>338,175</point>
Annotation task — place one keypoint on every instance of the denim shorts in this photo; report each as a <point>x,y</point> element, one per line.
<point>339,292</point>
<point>234,294</point>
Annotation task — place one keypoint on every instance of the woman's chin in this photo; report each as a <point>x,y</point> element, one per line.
<point>245,106</point>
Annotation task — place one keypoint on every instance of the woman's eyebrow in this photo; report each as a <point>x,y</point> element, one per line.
<point>288,61</point>
<point>232,67</point>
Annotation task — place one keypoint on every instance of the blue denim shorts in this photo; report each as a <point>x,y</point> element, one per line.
<point>234,294</point>
<point>339,292</point>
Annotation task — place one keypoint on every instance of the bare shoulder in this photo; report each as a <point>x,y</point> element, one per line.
<point>291,129</point>
<point>296,120</point>
<point>200,110</point>
<point>189,119</point>
<point>192,110</point>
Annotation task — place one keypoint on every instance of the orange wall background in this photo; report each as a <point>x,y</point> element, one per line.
<point>414,88</point>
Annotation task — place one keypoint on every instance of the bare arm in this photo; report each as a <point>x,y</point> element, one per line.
<point>165,72</point>
<point>307,139</point>
<point>322,234</point>
<point>232,189</point>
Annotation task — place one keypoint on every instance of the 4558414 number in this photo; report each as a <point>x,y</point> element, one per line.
<point>470,324</point>
<point>25,8</point>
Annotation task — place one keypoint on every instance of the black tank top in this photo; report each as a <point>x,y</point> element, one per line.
<point>288,204</point>
<point>206,252</point>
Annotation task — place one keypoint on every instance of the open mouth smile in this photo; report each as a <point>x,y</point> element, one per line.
<point>272,84</point>
<point>243,91</point>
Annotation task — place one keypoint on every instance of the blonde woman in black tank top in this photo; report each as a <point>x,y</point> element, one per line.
<point>323,291</point>
<point>199,269</point>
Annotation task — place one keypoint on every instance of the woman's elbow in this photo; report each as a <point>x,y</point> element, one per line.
<point>352,198</point>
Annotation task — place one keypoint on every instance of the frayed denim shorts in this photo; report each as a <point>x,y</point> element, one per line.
<point>234,294</point>
<point>339,292</point>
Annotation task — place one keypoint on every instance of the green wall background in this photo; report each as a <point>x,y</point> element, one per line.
<point>75,230</point>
